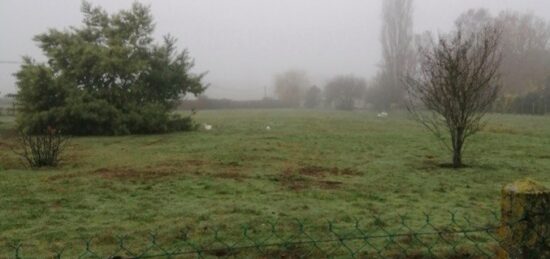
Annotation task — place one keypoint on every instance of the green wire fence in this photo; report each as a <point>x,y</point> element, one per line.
<point>460,238</point>
<point>521,229</point>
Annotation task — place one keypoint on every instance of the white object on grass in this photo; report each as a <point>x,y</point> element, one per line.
<point>382,115</point>
<point>267,128</point>
<point>207,127</point>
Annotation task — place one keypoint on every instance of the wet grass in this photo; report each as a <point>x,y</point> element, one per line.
<point>311,165</point>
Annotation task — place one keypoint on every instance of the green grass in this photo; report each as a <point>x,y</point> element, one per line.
<point>312,165</point>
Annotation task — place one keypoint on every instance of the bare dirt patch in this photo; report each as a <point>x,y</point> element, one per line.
<point>231,174</point>
<point>120,173</point>
<point>124,173</point>
<point>172,168</point>
<point>61,176</point>
<point>346,171</point>
<point>312,176</point>
<point>293,181</point>
<point>319,171</point>
<point>329,184</point>
<point>158,171</point>
<point>183,163</point>
<point>316,171</point>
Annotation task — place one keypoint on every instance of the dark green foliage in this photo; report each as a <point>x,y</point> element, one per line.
<point>106,77</point>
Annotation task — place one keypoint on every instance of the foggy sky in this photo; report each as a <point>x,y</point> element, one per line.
<point>243,43</point>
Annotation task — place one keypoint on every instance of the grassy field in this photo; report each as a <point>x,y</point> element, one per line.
<point>311,165</point>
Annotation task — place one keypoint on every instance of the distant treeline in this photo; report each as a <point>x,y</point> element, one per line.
<point>534,102</point>
<point>204,103</point>
<point>7,105</point>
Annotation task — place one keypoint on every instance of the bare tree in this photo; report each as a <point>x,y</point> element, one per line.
<point>342,92</point>
<point>457,81</point>
<point>397,46</point>
<point>41,150</point>
<point>312,97</point>
<point>290,87</point>
<point>525,45</point>
<point>474,20</point>
<point>526,48</point>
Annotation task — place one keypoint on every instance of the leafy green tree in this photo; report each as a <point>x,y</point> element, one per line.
<point>106,77</point>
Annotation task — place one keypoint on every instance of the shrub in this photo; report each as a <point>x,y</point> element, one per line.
<point>41,150</point>
<point>106,77</point>
<point>181,123</point>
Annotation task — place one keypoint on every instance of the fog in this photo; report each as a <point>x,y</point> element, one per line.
<point>243,43</point>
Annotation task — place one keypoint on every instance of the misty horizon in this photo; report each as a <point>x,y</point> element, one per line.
<point>244,44</point>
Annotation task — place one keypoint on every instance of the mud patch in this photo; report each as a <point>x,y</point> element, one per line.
<point>124,173</point>
<point>318,171</point>
<point>195,162</point>
<point>347,171</point>
<point>329,184</point>
<point>61,176</point>
<point>192,166</point>
<point>121,173</point>
<point>306,177</point>
<point>293,181</point>
<point>230,174</point>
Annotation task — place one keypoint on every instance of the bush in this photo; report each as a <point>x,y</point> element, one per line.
<point>106,77</point>
<point>79,116</point>
<point>154,119</point>
<point>41,150</point>
<point>179,123</point>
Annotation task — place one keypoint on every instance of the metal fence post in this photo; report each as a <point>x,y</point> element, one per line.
<point>525,221</point>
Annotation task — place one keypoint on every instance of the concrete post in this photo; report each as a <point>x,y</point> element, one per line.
<point>525,221</point>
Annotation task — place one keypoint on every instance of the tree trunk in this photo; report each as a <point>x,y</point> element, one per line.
<point>457,158</point>
<point>458,141</point>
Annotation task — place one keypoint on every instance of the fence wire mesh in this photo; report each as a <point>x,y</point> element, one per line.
<point>460,237</point>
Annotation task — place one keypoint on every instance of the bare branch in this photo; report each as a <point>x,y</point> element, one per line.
<point>457,82</point>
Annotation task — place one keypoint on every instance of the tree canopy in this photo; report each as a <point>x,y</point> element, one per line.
<point>525,42</point>
<point>290,87</point>
<point>342,92</point>
<point>107,76</point>
<point>457,81</point>
<point>397,52</point>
